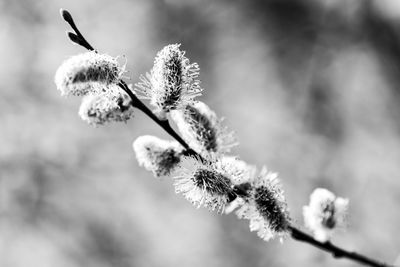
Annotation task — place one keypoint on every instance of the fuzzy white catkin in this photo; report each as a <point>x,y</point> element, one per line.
<point>156,155</point>
<point>172,82</point>
<point>83,73</point>
<point>110,105</point>
<point>325,213</point>
<point>205,184</point>
<point>266,207</point>
<point>202,130</point>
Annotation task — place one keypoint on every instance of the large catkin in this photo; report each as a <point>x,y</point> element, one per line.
<point>156,155</point>
<point>172,82</point>
<point>86,73</point>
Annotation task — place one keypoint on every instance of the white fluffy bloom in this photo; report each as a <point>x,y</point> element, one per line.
<point>265,207</point>
<point>324,213</point>
<point>202,130</point>
<point>111,104</point>
<point>246,174</point>
<point>156,155</point>
<point>82,74</point>
<point>206,184</point>
<point>172,82</point>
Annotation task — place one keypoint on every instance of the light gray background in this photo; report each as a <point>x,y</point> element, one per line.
<point>310,87</point>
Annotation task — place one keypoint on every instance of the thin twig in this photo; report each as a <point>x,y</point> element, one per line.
<point>336,252</point>
<point>79,37</point>
<point>162,123</point>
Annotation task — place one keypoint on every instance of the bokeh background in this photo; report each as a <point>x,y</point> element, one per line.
<point>311,87</point>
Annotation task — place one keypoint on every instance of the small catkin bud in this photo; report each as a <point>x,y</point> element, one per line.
<point>82,74</point>
<point>156,155</point>
<point>110,105</point>
<point>172,83</point>
<point>202,129</point>
<point>325,213</point>
<point>266,207</point>
<point>66,15</point>
<point>245,172</point>
<point>205,184</point>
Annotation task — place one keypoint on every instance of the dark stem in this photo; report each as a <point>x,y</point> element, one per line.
<point>334,250</point>
<point>78,38</point>
<point>162,123</point>
<point>238,190</point>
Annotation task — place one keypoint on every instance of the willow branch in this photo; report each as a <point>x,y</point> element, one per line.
<point>77,37</point>
<point>237,191</point>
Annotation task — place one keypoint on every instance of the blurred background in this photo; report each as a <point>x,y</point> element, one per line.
<point>311,88</point>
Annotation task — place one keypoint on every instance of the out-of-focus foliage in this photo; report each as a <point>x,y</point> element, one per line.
<point>315,83</point>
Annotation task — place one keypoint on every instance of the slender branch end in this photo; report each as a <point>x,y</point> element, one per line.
<point>76,37</point>
<point>335,251</point>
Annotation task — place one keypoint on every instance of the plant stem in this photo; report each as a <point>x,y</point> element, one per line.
<point>336,252</point>
<point>80,39</point>
<point>239,190</point>
<point>164,124</point>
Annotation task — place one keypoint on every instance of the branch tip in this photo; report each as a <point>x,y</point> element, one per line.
<point>66,15</point>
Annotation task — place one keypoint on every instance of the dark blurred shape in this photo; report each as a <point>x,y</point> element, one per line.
<point>322,114</point>
<point>102,244</point>
<point>383,35</point>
